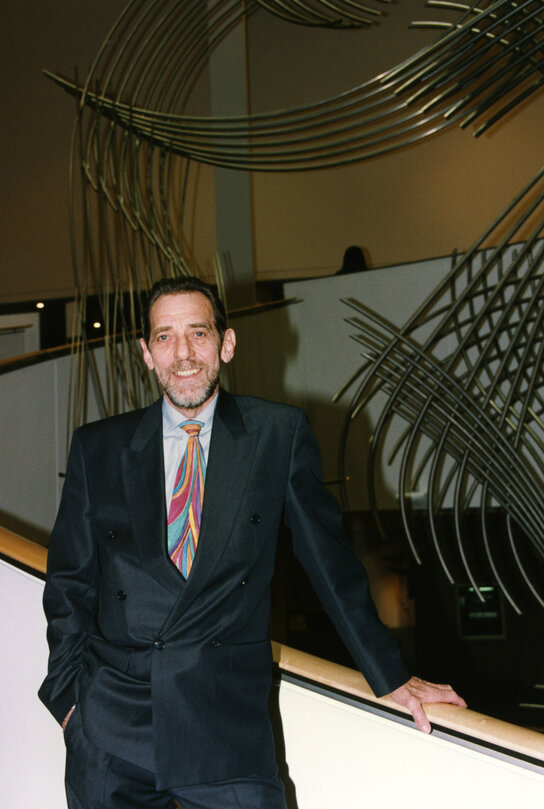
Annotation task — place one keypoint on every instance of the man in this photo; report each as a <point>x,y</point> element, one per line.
<point>158,586</point>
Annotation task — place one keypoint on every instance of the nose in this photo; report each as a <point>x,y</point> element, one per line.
<point>182,348</point>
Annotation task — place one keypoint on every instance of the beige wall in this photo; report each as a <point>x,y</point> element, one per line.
<point>37,120</point>
<point>417,203</point>
<point>411,205</point>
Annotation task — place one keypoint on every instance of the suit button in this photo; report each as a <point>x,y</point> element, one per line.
<point>243,582</point>
<point>255,519</point>
<point>111,534</point>
<point>159,645</point>
<point>216,642</point>
<point>121,595</point>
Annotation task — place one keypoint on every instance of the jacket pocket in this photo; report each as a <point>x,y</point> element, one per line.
<point>251,656</point>
<point>117,656</point>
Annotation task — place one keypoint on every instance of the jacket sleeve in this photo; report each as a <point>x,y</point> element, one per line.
<point>71,588</point>
<point>314,518</point>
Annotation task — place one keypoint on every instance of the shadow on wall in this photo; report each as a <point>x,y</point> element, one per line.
<point>266,347</point>
<point>269,363</point>
<point>344,447</point>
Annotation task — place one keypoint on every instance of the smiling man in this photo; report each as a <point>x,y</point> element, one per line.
<point>158,583</point>
<point>185,348</point>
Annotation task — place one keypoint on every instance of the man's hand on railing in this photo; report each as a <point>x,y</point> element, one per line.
<point>416,691</point>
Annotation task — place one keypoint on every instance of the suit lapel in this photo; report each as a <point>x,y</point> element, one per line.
<point>142,467</point>
<point>227,473</point>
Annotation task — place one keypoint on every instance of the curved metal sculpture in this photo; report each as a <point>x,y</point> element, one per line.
<point>474,412</point>
<point>134,151</point>
<point>324,13</point>
<point>480,69</point>
<point>133,146</point>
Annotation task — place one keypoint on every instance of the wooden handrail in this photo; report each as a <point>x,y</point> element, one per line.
<point>464,721</point>
<point>23,550</point>
<point>44,354</point>
<point>461,720</point>
<point>15,328</point>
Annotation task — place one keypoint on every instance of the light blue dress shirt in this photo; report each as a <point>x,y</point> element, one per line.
<point>175,440</point>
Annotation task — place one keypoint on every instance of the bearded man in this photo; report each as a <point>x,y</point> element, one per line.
<point>158,585</point>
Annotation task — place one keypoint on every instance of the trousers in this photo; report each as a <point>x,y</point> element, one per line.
<point>94,779</point>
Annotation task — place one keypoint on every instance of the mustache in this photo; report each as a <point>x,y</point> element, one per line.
<point>185,365</point>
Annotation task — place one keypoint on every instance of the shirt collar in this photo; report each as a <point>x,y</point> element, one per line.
<point>172,418</point>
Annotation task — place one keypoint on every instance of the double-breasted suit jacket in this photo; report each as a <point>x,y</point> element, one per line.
<point>174,675</point>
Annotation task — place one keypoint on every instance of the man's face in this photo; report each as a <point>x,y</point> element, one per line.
<point>184,350</point>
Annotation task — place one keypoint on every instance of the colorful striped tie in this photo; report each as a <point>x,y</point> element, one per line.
<point>186,504</point>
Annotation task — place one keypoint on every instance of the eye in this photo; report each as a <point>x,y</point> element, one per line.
<point>162,338</point>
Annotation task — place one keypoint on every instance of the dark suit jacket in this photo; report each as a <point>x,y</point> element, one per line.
<point>174,675</point>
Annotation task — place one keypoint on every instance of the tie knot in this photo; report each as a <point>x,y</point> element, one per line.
<point>192,428</point>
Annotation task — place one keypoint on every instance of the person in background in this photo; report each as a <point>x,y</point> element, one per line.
<point>354,261</point>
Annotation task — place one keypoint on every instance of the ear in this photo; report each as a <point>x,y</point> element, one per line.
<point>148,359</point>
<point>229,344</point>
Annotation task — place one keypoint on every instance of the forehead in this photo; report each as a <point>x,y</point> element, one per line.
<point>181,308</point>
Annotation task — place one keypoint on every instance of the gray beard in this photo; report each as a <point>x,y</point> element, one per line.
<point>197,401</point>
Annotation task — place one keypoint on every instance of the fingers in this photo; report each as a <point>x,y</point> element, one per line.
<point>455,699</point>
<point>417,691</point>
<point>420,718</point>
<point>409,695</point>
<point>66,718</point>
<point>434,692</point>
